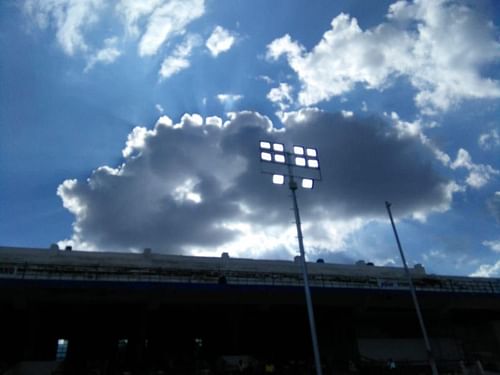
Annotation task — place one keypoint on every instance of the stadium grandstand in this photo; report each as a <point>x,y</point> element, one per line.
<point>79,312</point>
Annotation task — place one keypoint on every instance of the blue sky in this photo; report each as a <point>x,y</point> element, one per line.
<point>127,124</point>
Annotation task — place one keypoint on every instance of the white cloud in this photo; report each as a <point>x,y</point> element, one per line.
<point>489,140</point>
<point>186,192</point>
<point>106,55</point>
<point>414,42</point>
<point>167,20</point>
<point>179,59</point>
<point>132,11</point>
<point>136,139</point>
<point>434,255</point>
<point>172,65</point>
<point>281,96</point>
<point>73,204</point>
<point>214,121</point>
<point>283,46</point>
<point>228,98</point>
<point>487,270</point>
<point>278,241</point>
<point>221,40</point>
<point>266,79</point>
<point>159,108</point>
<point>479,174</point>
<point>493,245</point>
<point>153,22</point>
<point>70,18</point>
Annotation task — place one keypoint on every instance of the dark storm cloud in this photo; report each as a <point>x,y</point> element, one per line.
<point>366,161</point>
<point>181,185</point>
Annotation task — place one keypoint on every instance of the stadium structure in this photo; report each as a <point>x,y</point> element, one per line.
<point>78,312</point>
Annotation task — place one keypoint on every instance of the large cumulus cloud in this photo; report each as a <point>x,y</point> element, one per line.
<point>197,185</point>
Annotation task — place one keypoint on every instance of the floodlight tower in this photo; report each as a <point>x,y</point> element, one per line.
<point>306,160</point>
<point>428,349</point>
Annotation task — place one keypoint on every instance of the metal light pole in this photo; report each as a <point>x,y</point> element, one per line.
<point>310,312</point>
<point>430,357</point>
<point>304,158</point>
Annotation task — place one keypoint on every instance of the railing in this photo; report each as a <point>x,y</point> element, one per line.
<point>232,277</point>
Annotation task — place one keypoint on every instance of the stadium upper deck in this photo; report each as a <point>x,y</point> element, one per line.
<point>55,264</point>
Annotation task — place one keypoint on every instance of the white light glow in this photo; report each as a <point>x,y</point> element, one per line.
<point>307,183</point>
<point>301,162</point>
<point>265,145</point>
<point>279,158</point>
<point>266,156</point>
<point>278,179</point>
<point>312,163</point>
<point>298,150</point>
<point>311,152</point>
<point>279,147</point>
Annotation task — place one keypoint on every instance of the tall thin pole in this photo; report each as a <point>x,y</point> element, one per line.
<point>310,312</point>
<point>430,357</point>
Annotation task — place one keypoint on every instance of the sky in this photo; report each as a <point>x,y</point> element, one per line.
<point>127,125</point>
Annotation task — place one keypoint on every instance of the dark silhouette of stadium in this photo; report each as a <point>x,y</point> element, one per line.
<point>75,312</point>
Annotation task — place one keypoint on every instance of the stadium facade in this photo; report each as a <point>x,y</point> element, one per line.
<point>98,312</point>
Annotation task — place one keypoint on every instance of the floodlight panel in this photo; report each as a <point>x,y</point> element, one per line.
<point>278,179</point>
<point>311,152</point>
<point>300,162</point>
<point>265,145</point>
<point>279,158</point>
<point>298,150</point>
<point>266,156</point>
<point>313,163</point>
<point>279,147</point>
<point>307,183</point>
